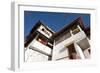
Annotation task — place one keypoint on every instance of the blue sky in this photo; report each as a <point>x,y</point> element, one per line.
<point>53,20</point>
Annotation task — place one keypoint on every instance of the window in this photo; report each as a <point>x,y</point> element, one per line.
<point>44,41</point>
<point>45,31</point>
<point>75,30</point>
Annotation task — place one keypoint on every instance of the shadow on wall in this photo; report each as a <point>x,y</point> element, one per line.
<point>62,50</point>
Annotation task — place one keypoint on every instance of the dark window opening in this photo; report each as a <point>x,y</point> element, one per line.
<point>44,41</point>
<point>75,29</point>
<point>72,52</point>
<point>89,50</point>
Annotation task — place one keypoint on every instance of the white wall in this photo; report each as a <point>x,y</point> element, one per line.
<point>34,56</point>
<point>5,40</point>
<point>59,52</point>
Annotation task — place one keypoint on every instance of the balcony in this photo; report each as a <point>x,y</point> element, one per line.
<point>74,38</point>
<point>37,46</point>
